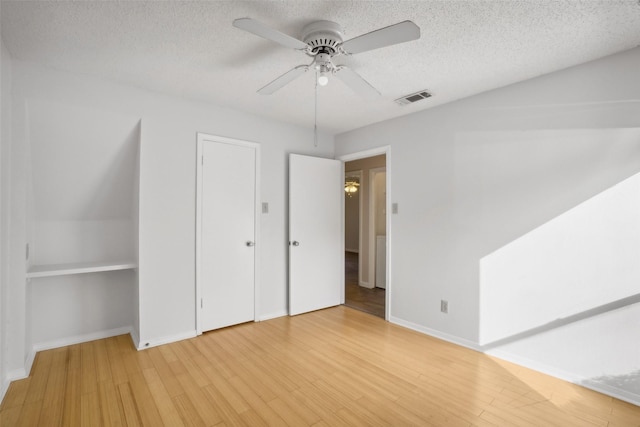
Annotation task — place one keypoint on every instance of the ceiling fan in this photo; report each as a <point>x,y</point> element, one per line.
<point>323,40</point>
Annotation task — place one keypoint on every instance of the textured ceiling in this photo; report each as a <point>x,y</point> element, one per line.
<point>191,49</point>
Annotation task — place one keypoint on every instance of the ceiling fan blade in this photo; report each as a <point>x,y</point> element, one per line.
<point>261,30</point>
<point>284,79</point>
<point>399,33</point>
<point>357,83</point>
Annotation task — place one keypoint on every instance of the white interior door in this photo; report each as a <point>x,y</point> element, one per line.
<point>316,238</point>
<point>226,270</point>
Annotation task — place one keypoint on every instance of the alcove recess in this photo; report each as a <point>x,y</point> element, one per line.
<point>83,228</point>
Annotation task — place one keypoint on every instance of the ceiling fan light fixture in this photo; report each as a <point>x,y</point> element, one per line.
<point>323,79</point>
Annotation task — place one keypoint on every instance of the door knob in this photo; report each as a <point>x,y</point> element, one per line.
<point>250,243</point>
<point>295,243</point>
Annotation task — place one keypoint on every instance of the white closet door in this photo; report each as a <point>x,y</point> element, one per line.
<point>227,234</point>
<point>316,247</point>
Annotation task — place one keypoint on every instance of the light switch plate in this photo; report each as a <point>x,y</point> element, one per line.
<point>394,208</point>
<point>265,207</point>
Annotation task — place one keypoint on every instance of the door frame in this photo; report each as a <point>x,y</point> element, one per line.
<point>360,175</point>
<point>386,150</point>
<point>372,223</point>
<point>201,139</point>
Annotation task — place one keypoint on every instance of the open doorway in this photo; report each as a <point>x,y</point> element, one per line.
<point>365,234</point>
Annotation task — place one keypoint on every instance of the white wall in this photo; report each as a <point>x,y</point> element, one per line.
<point>5,141</point>
<point>474,176</point>
<point>167,188</point>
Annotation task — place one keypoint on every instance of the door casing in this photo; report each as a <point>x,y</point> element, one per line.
<point>386,150</point>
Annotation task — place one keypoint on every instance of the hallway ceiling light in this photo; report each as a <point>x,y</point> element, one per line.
<point>351,187</point>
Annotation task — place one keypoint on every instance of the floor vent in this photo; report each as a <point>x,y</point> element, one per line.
<point>414,97</point>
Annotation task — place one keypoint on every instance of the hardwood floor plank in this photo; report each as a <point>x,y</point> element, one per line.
<point>10,415</point>
<point>112,410</point>
<point>16,394</point>
<point>88,368</point>
<point>264,411</point>
<point>38,383</point>
<point>224,407</point>
<point>53,399</point>
<point>91,414</point>
<point>187,412</point>
<point>114,355</point>
<point>72,412</point>
<point>168,412</point>
<point>331,367</point>
<point>30,414</point>
<point>129,408</point>
<point>146,407</point>
<point>288,414</point>
<point>199,399</point>
<point>170,381</point>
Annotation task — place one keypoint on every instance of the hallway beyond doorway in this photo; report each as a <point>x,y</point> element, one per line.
<point>364,299</point>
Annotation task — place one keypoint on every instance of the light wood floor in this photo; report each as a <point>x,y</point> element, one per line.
<point>332,367</point>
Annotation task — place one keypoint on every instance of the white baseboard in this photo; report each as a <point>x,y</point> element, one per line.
<point>16,374</point>
<point>135,338</point>
<point>273,315</point>
<point>144,344</point>
<point>78,339</point>
<point>608,390</point>
<point>28,363</point>
<point>436,334</point>
<point>5,387</point>
<point>624,395</point>
<point>365,284</point>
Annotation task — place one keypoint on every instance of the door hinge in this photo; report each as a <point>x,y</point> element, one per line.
<point>26,254</point>
<point>202,160</point>
<point>201,303</point>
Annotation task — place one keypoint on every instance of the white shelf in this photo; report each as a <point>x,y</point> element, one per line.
<point>77,268</point>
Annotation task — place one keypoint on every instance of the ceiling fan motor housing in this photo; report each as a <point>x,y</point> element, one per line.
<point>322,37</point>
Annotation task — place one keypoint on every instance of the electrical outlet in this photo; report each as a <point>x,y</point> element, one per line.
<point>444,306</point>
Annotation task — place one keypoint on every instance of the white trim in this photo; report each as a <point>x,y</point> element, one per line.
<point>6,382</point>
<point>364,284</point>
<point>625,395</point>
<point>167,340</point>
<point>77,339</point>
<point>28,363</point>
<point>386,150</point>
<point>274,315</point>
<point>372,152</point>
<point>606,389</point>
<point>201,139</point>
<point>18,374</point>
<point>135,338</point>
<point>360,175</point>
<point>436,334</point>
<point>372,223</point>
<point>618,393</point>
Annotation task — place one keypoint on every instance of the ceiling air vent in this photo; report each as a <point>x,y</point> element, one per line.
<point>414,97</point>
